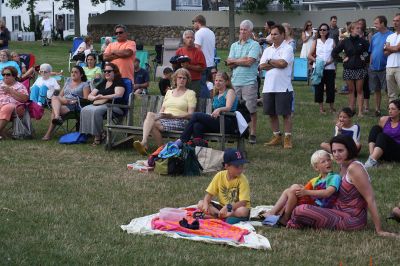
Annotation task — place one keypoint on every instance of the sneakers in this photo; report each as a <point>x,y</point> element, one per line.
<point>252,139</point>
<point>370,163</point>
<point>276,140</point>
<point>287,142</point>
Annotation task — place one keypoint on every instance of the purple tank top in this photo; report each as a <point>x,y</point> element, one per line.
<point>394,133</point>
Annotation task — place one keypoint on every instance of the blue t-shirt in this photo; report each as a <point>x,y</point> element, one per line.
<point>378,40</point>
<point>142,76</point>
<point>221,102</point>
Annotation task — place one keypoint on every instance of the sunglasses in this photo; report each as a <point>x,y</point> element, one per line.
<point>309,25</point>
<point>323,29</point>
<point>8,74</point>
<point>108,71</point>
<point>119,32</point>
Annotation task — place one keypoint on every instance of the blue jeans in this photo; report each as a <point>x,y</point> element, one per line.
<point>38,94</point>
<point>201,123</point>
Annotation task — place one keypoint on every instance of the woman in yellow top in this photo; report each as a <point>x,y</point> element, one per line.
<point>177,108</point>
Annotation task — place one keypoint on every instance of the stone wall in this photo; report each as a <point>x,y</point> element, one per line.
<point>152,35</point>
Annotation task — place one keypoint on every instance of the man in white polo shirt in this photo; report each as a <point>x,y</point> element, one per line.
<point>204,39</point>
<point>392,50</point>
<point>277,60</point>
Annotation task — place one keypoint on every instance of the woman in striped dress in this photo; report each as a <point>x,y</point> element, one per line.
<point>355,198</point>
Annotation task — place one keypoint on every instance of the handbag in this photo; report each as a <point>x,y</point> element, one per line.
<point>73,138</point>
<point>36,111</point>
<point>211,160</point>
<point>100,101</point>
<point>170,166</point>
<point>22,127</point>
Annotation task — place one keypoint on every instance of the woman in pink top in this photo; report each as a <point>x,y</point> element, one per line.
<point>384,139</point>
<point>12,93</point>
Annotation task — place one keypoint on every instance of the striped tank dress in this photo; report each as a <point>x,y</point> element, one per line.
<point>349,212</point>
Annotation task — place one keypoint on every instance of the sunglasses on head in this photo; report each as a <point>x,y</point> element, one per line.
<point>7,74</point>
<point>119,32</point>
<point>108,71</point>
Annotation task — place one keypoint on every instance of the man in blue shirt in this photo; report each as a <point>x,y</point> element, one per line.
<point>141,77</point>
<point>243,59</point>
<point>377,68</point>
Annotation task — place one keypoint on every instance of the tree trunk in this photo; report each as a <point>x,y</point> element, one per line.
<point>231,21</point>
<point>77,18</point>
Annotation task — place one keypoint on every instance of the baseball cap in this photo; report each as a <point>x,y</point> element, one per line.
<point>234,156</point>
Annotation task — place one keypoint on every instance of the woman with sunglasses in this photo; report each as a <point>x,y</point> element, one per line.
<point>5,60</point>
<point>354,62</point>
<point>44,86</point>
<point>66,100</point>
<point>321,49</point>
<point>92,115</point>
<point>92,71</point>
<point>307,36</point>
<point>12,93</point>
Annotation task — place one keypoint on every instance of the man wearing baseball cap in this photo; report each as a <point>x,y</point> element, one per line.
<point>232,189</point>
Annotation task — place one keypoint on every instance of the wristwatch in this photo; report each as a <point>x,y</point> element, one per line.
<point>229,207</point>
<point>268,61</point>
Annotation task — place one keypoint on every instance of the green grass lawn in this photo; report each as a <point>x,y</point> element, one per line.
<point>64,204</point>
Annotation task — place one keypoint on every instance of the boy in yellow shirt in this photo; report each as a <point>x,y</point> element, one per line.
<point>231,187</point>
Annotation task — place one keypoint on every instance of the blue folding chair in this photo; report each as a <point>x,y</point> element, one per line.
<point>300,69</point>
<point>75,44</point>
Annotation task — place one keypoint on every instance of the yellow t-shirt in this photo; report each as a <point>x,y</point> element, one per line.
<point>179,105</point>
<point>232,191</point>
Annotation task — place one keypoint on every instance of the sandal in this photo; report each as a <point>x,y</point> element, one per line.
<point>392,216</point>
<point>97,141</point>
<point>140,148</point>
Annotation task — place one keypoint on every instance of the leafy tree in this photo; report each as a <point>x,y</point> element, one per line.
<point>252,6</point>
<point>69,4</point>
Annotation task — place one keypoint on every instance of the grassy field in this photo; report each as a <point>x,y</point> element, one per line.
<point>64,204</point>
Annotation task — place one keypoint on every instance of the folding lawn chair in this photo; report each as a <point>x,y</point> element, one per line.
<point>29,61</point>
<point>75,44</point>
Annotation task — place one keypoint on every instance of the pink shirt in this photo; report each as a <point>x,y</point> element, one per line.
<point>6,98</point>
<point>125,65</point>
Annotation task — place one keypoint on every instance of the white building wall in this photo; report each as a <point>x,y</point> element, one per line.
<point>44,7</point>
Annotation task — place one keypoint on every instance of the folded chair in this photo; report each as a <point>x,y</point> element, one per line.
<point>75,44</point>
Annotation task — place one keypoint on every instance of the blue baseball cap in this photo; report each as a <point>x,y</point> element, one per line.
<point>234,156</point>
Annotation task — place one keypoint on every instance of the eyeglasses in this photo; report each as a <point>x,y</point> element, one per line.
<point>119,32</point>
<point>107,71</point>
<point>323,29</point>
<point>8,74</point>
<point>43,72</point>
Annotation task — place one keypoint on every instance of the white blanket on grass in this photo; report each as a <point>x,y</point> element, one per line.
<point>253,240</point>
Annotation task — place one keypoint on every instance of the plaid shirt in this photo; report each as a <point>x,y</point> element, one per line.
<point>6,98</point>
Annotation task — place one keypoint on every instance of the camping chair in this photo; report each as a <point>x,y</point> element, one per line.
<point>75,44</point>
<point>29,61</point>
<point>300,69</point>
<point>143,56</point>
<point>114,117</point>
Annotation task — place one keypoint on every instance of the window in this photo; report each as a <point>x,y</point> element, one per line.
<point>93,14</point>
<point>70,22</point>
<point>16,23</point>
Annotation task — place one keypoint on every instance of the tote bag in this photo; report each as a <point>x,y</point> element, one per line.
<point>211,160</point>
<point>22,127</point>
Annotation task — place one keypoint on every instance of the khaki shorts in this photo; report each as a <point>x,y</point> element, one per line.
<point>249,94</point>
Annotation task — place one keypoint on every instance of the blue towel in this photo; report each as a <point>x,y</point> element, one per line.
<point>318,72</point>
<point>171,149</point>
<point>271,220</point>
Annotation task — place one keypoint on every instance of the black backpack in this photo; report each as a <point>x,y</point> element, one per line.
<point>192,166</point>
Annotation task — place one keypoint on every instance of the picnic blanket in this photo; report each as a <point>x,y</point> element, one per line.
<point>249,237</point>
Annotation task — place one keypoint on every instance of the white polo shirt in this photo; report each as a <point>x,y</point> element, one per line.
<point>206,39</point>
<point>393,59</point>
<point>278,79</point>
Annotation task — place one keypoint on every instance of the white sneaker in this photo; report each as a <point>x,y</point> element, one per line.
<point>370,163</point>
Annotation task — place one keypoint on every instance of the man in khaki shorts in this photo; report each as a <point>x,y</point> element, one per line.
<point>243,59</point>
<point>392,50</point>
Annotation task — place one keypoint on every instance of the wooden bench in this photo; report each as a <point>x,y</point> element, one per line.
<point>142,104</point>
